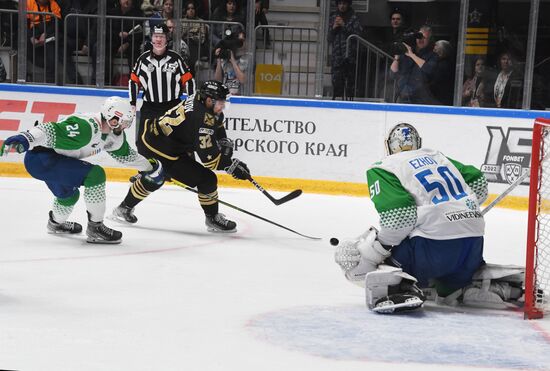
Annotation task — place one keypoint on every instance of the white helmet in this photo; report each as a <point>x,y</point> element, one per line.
<point>118,107</point>
<point>403,137</point>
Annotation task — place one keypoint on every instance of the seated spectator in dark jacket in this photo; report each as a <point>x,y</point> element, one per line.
<point>508,86</point>
<point>159,17</point>
<point>195,34</point>
<point>443,79</point>
<point>121,41</point>
<point>228,11</point>
<point>394,32</point>
<point>42,35</point>
<point>472,90</point>
<point>414,70</point>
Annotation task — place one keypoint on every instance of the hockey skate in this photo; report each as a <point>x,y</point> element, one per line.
<point>62,228</point>
<point>124,214</point>
<point>219,224</point>
<point>398,303</point>
<point>98,232</point>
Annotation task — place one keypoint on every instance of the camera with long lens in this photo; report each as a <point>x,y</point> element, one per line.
<point>409,38</point>
<point>230,42</point>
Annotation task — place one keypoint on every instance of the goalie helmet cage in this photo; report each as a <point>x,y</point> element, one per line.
<point>537,267</point>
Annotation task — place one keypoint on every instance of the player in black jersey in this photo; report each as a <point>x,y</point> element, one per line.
<point>193,126</point>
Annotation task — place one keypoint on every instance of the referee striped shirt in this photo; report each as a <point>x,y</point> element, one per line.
<point>162,78</point>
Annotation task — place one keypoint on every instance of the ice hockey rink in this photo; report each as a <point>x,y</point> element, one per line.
<point>174,297</point>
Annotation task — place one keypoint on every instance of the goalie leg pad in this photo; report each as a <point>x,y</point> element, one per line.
<point>506,273</point>
<point>390,290</point>
<point>493,285</point>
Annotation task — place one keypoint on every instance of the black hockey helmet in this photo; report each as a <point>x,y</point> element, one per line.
<point>213,89</point>
<point>161,29</point>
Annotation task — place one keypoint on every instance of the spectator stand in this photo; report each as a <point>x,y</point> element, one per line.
<point>41,60</point>
<point>369,71</point>
<point>8,43</point>
<point>290,61</point>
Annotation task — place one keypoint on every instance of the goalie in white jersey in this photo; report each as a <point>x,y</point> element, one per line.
<point>54,153</point>
<point>431,227</point>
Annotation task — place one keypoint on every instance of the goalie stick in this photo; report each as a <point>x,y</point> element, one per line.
<point>291,196</point>
<point>182,185</point>
<point>512,186</point>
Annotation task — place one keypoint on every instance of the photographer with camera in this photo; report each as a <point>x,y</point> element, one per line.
<point>414,68</point>
<point>231,61</point>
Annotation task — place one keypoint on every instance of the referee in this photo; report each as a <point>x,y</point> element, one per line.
<point>163,76</point>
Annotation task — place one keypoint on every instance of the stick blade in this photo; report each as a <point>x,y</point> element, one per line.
<point>291,196</point>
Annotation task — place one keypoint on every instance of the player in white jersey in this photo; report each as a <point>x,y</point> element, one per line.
<point>53,154</point>
<point>431,228</point>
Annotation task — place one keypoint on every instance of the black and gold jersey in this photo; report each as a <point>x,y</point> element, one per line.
<point>187,128</point>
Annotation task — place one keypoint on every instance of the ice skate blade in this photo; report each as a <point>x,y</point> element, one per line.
<point>388,307</point>
<point>103,242</point>
<point>215,230</point>
<point>118,219</point>
<point>49,231</point>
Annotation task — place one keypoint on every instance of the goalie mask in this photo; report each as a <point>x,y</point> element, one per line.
<point>117,107</point>
<point>403,137</point>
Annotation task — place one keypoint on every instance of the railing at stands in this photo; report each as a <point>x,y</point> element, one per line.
<point>79,30</point>
<point>293,48</point>
<point>8,42</point>
<point>43,51</point>
<point>369,72</point>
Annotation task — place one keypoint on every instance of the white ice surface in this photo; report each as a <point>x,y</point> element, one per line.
<point>175,297</point>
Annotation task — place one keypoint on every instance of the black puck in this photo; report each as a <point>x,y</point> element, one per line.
<point>334,241</point>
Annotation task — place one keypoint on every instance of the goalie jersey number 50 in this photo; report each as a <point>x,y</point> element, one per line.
<point>443,181</point>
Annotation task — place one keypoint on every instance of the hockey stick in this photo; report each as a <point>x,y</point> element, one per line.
<point>182,185</point>
<point>506,192</point>
<point>291,196</point>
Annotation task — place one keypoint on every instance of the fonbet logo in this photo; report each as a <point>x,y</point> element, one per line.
<point>508,155</point>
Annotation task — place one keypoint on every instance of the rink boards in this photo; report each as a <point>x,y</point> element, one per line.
<point>318,146</point>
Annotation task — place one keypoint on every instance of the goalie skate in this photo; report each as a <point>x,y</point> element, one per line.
<point>219,224</point>
<point>62,228</point>
<point>397,303</point>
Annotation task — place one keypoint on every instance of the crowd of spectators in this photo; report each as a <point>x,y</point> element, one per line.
<point>129,24</point>
<point>422,67</point>
<point>421,70</point>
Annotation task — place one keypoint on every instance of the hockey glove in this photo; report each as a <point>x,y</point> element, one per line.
<point>155,175</point>
<point>19,142</point>
<point>238,170</point>
<point>226,147</point>
<point>347,255</point>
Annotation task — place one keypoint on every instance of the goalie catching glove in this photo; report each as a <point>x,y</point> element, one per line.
<point>238,170</point>
<point>360,256</point>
